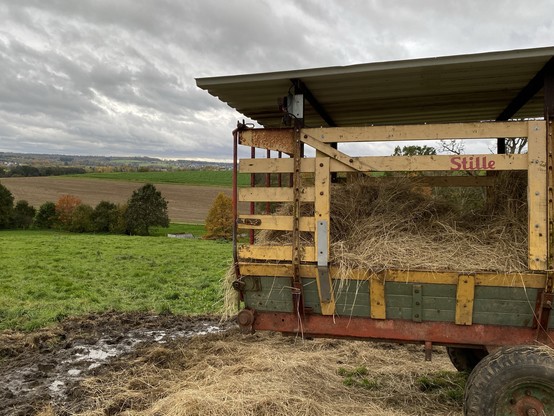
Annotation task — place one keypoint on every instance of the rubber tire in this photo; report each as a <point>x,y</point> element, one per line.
<point>501,373</point>
<point>465,359</point>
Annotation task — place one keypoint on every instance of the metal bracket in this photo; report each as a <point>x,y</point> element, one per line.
<point>323,260</point>
<point>417,301</point>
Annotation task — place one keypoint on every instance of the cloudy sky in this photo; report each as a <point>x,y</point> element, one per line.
<point>99,77</point>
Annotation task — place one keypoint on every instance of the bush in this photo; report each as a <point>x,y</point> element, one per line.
<point>219,222</point>
<point>81,219</point>
<point>46,216</point>
<point>6,207</point>
<point>64,209</point>
<point>23,215</point>
<point>119,226</point>
<point>146,208</point>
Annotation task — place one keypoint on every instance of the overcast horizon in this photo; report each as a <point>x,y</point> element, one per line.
<point>93,77</point>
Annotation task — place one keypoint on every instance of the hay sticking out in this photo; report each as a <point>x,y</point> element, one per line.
<point>231,297</point>
<point>268,374</point>
<point>391,224</point>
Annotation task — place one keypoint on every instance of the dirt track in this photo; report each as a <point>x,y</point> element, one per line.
<point>189,204</point>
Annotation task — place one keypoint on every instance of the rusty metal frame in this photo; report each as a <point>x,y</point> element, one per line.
<point>439,333</point>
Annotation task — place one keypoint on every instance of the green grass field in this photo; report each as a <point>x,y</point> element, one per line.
<point>190,177</point>
<point>46,276</point>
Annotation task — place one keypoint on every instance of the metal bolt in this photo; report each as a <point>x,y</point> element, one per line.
<point>532,412</point>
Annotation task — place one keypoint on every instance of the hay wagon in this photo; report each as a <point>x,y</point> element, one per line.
<point>321,129</point>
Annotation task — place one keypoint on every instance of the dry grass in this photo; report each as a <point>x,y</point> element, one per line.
<point>392,225</point>
<point>236,375</point>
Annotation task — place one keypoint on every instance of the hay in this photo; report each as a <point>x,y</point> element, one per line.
<point>392,225</point>
<point>268,374</point>
<point>231,298</point>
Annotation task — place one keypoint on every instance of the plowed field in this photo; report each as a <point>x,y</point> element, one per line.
<point>186,203</point>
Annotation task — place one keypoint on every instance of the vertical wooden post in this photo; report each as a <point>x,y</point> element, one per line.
<point>537,196</point>
<point>322,208</point>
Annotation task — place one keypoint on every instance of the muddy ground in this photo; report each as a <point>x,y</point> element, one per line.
<point>46,367</point>
<point>154,365</point>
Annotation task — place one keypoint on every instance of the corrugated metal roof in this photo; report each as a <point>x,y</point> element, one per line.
<point>445,89</point>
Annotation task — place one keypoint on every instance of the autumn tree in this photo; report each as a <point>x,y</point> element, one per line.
<point>219,222</point>
<point>65,207</point>
<point>146,208</point>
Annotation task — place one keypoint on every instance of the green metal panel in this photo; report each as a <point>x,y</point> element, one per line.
<point>504,306</point>
<point>351,297</point>
<point>492,305</point>
<point>438,301</point>
<point>275,294</point>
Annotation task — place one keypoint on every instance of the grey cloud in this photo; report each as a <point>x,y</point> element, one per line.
<point>117,77</point>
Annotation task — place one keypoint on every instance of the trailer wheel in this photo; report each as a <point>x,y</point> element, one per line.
<point>465,359</point>
<point>516,381</point>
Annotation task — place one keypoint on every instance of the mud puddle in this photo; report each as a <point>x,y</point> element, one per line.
<point>46,366</point>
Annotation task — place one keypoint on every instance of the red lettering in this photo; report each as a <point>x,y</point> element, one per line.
<point>491,165</point>
<point>455,162</point>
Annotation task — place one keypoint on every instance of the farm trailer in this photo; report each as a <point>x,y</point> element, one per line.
<point>499,323</point>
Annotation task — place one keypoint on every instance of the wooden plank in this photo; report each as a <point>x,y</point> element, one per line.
<point>377,297</point>
<point>271,139</point>
<point>537,196</point>
<point>276,222</point>
<point>451,163</point>
<point>350,162</point>
<point>275,270</point>
<point>418,132</point>
<point>322,212</point>
<point>281,253</point>
<point>268,194</point>
<point>465,295</point>
<point>516,280</point>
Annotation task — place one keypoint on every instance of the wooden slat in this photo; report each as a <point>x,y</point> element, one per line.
<point>349,162</point>
<point>465,295</point>
<point>267,194</point>
<point>417,132</point>
<point>278,253</point>
<point>526,280</point>
<point>393,163</point>
<point>272,139</point>
<point>377,297</point>
<point>537,197</point>
<point>277,222</point>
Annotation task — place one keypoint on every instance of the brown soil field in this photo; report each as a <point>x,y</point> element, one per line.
<point>188,204</point>
<point>154,365</point>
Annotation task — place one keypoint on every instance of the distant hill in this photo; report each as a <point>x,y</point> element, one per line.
<point>94,163</point>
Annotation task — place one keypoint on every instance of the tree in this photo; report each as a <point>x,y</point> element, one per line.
<point>23,214</point>
<point>81,219</point>
<point>6,207</point>
<point>65,207</point>
<point>146,208</point>
<point>219,222</point>
<point>46,216</point>
<point>105,216</point>
<point>414,151</point>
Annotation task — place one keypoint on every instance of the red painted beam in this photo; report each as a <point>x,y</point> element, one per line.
<point>443,333</point>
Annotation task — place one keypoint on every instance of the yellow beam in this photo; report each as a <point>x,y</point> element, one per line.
<point>537,191</point>
<point>275,222</point>
<point>276,253</point>
<point>266,194</point>
<point>417,132</point>
<point>465,295</point>
<point>450,163</point>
